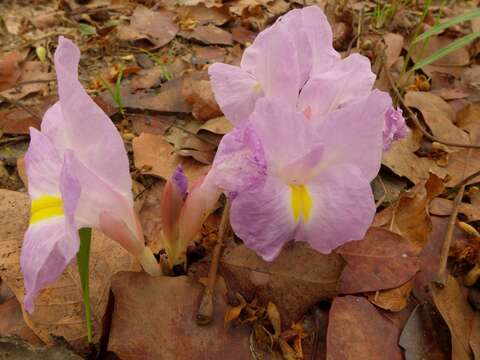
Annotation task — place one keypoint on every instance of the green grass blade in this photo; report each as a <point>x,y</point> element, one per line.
<point>440,53</point>
<point>437,29</point>
<point>83,257</point>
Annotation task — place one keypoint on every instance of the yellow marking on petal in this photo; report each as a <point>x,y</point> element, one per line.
<point>45,207</point>
<point>257,87</point>
<point>301,202</point>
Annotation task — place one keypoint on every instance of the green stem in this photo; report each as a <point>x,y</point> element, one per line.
<point>83,257</point>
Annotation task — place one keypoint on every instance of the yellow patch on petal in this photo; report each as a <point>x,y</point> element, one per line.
<point>257,87</point>
<point>45,207</point>
<point>301,202</point>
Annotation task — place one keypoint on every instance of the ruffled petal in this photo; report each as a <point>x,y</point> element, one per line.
<point>239,163</point>
<point>285,134</point>
<point>347,81</point>
<point>320,37</point>
<point>342,208</point>
<point>273,61</point>
<point>395,127</point>
<point>263,218</point>
<point>78,124</point>
<point>353,135</point>
<point>43,166</point>
<point>101,206</point>
<point>235,90</point>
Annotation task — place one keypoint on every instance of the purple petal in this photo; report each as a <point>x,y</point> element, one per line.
<point>263,218</point>
<point>348,81</point>
<point>235,90</point>
<point>273,61</point>
<point>180,180</point>
<point>343,208</point>
<point>394,128</point>
<point>239,163</point>
<point>353,135</point>
<point>78,124</point>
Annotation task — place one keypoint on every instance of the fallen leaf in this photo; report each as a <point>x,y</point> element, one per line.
<point>438,115</point>
<point>199,94</point>
<point>242,35</point>
<point>10,69</point>
<point>296,280</point>
<point>474,340</point>
<point>18,121</point>
<point>156,26</point>
<point>219,125</point>
<point>208,55</point>
<point>152,124</point>
<point>452,63</point>
<point>153,155</point>
<point>425,335</point>
<point>150,216</point>
<point>13,348</point>
<point>443,207</point>
<point>394,44</point>
<point>209,35</point>
<point>169,332</point>
<point>381,260</point>
<point>274,317</point>
<point>356,330</point>
<point>203,15</point>
<point>409,216</point>
<point>59,307</point>
<point>392,299</point>
<point>457,313</point>
<point>12,323</point>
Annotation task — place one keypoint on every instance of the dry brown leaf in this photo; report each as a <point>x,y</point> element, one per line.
<point>170,331</point>
<point>438,115</point>
<point>59,308</point>
<point>394,45</point>
<point>409,216</point>
<point>443,207</point>
<point>10,69</point>
<point>152,124</point>
<point>208,55</point>
<point>153,155</point>
<point>356,330</point>
<point>381,260</point>
<point>13,348</point>
<point>198,93</point>
<point>209,35</point>
<point>150,216</point>
<point>392,299</point>
<point>203,15</point>
<point>12,323</point>
<point>452,63</point>
<point>458,315</point>
<point>219,125</point>
<point>296,280</point>
<point>474,340</point>
<point>274,317</point>
<point>403,161</point>
<point>156,26</point>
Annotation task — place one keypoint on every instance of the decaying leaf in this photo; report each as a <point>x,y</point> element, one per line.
<point>10,70</point>
<point>443,207</point>
<point>297,279</point>
<point>153,155</point>
<point>274,317</point>
<point>458,315</point>
<point>199,94</point>
<point>156,26</point>
<point>392,299</point>
<point>356,330</point>
<point>381,260</point>
<point>394,44</point>
<point>12,323</point>
<point>219,125</point>
<point>59,308</point>
<point>169,332</point>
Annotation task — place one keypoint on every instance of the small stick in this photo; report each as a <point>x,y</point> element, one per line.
<point>441,278</point>
<point>205,310</point>
<point>467,180</point>
<point>417,122</point>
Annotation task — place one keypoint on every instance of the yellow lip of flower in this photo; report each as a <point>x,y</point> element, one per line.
<point>301,202</point>
<point>45,207</point>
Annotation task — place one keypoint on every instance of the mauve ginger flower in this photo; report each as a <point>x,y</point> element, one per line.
<point>182,214</point>
<point>394,128</point>
<point>78,176</point>
<point>293,60</point>
<point>290,177</point>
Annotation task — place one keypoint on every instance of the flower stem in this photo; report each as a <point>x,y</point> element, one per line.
<point>83,257</point>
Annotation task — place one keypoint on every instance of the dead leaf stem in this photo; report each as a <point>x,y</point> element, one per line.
<point>205,310</point>
<point>413,116</point>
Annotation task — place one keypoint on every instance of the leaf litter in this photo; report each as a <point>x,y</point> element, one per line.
<point>168,116</point>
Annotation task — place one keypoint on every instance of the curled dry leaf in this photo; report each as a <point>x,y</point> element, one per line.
<point>296,280</point>
<point>169,332</point>
<point>409,216</point>
<point>457,313</point>
<point>156,26</point>
<point>58,308</point>
<point>219,125</point>
<point>381,260</point>
<point>392,299</point>
<point>356,330</point>
<point>153,155</point>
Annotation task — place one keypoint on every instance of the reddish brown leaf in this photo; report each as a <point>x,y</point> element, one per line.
<point>170,331</point>
<point>199,94</point>
<point>210,35</point>
<point>12,323</point>
<point>392,299</point>
<point>443,207</point>
<point>381,260</point>
<point>10,70</point>
<point>356,330</point>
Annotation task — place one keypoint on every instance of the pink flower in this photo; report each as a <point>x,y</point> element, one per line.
<point>394,128</point>
<point>78,176</point>
<point>313,181</point>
